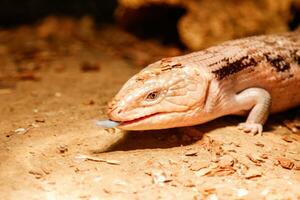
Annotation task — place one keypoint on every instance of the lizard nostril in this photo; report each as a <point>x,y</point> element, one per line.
<point>115,110</point>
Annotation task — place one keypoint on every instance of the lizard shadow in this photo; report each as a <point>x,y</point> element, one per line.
<point>168,138</point>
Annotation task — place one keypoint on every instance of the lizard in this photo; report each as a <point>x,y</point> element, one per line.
<point>253,76</point>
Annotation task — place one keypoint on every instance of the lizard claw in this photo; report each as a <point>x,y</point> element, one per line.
<point>252,128</point>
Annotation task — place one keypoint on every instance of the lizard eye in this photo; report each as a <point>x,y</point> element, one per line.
<point>152,96</point>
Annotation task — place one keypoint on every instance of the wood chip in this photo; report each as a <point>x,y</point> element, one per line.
<point>21,131</point>
<point>285,163</point>
<point>259,144</point>
<point>294,125</point>
<point>189,183</point>
<point>191,152</point>
<point>209,191</point>
<point>221,171</point>
<point>226,161</point>
<point>46,170</point>
<point>203,172</point>
<point>232,150</point>
<point>297,166</point>
<point>38,173</point>
<point>253,173</point>
<point>287,139</point>
<point>255,159</point>
<point>196,166</point>
<point>264,156</point>
<point>40,120</point>
<point>95,159</point>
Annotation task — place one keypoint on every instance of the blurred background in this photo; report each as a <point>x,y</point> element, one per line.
<point>194,24</point>
<point>15,12</point>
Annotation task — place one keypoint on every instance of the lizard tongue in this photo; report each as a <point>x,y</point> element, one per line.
<point>107,123</point>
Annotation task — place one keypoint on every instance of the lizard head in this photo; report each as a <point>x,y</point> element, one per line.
<point>159,97</point>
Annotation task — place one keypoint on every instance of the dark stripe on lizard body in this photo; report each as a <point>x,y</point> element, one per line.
<point>278,62</point>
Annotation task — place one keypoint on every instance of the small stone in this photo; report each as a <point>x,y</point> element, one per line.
<point>62,148</point>
<point>89,102</point>
<point>57,94</point>
<point>242,192</point>
<point>160,177</point>
<point>212,197</point>
<point>21,131</point>
<point>35,110</point>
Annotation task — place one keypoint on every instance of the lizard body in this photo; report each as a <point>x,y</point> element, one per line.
<point>256,76</point>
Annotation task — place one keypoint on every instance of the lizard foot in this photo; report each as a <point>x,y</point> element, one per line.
<point>252,128</point>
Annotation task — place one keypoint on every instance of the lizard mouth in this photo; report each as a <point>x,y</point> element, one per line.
<point>126,123</point>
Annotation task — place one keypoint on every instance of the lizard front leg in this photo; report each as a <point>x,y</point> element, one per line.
<point>258,101</point>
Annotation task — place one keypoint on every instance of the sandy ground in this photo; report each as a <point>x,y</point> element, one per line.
<point>54,87</point>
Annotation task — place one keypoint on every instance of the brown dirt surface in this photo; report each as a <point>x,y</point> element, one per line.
<point>54,85</point>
